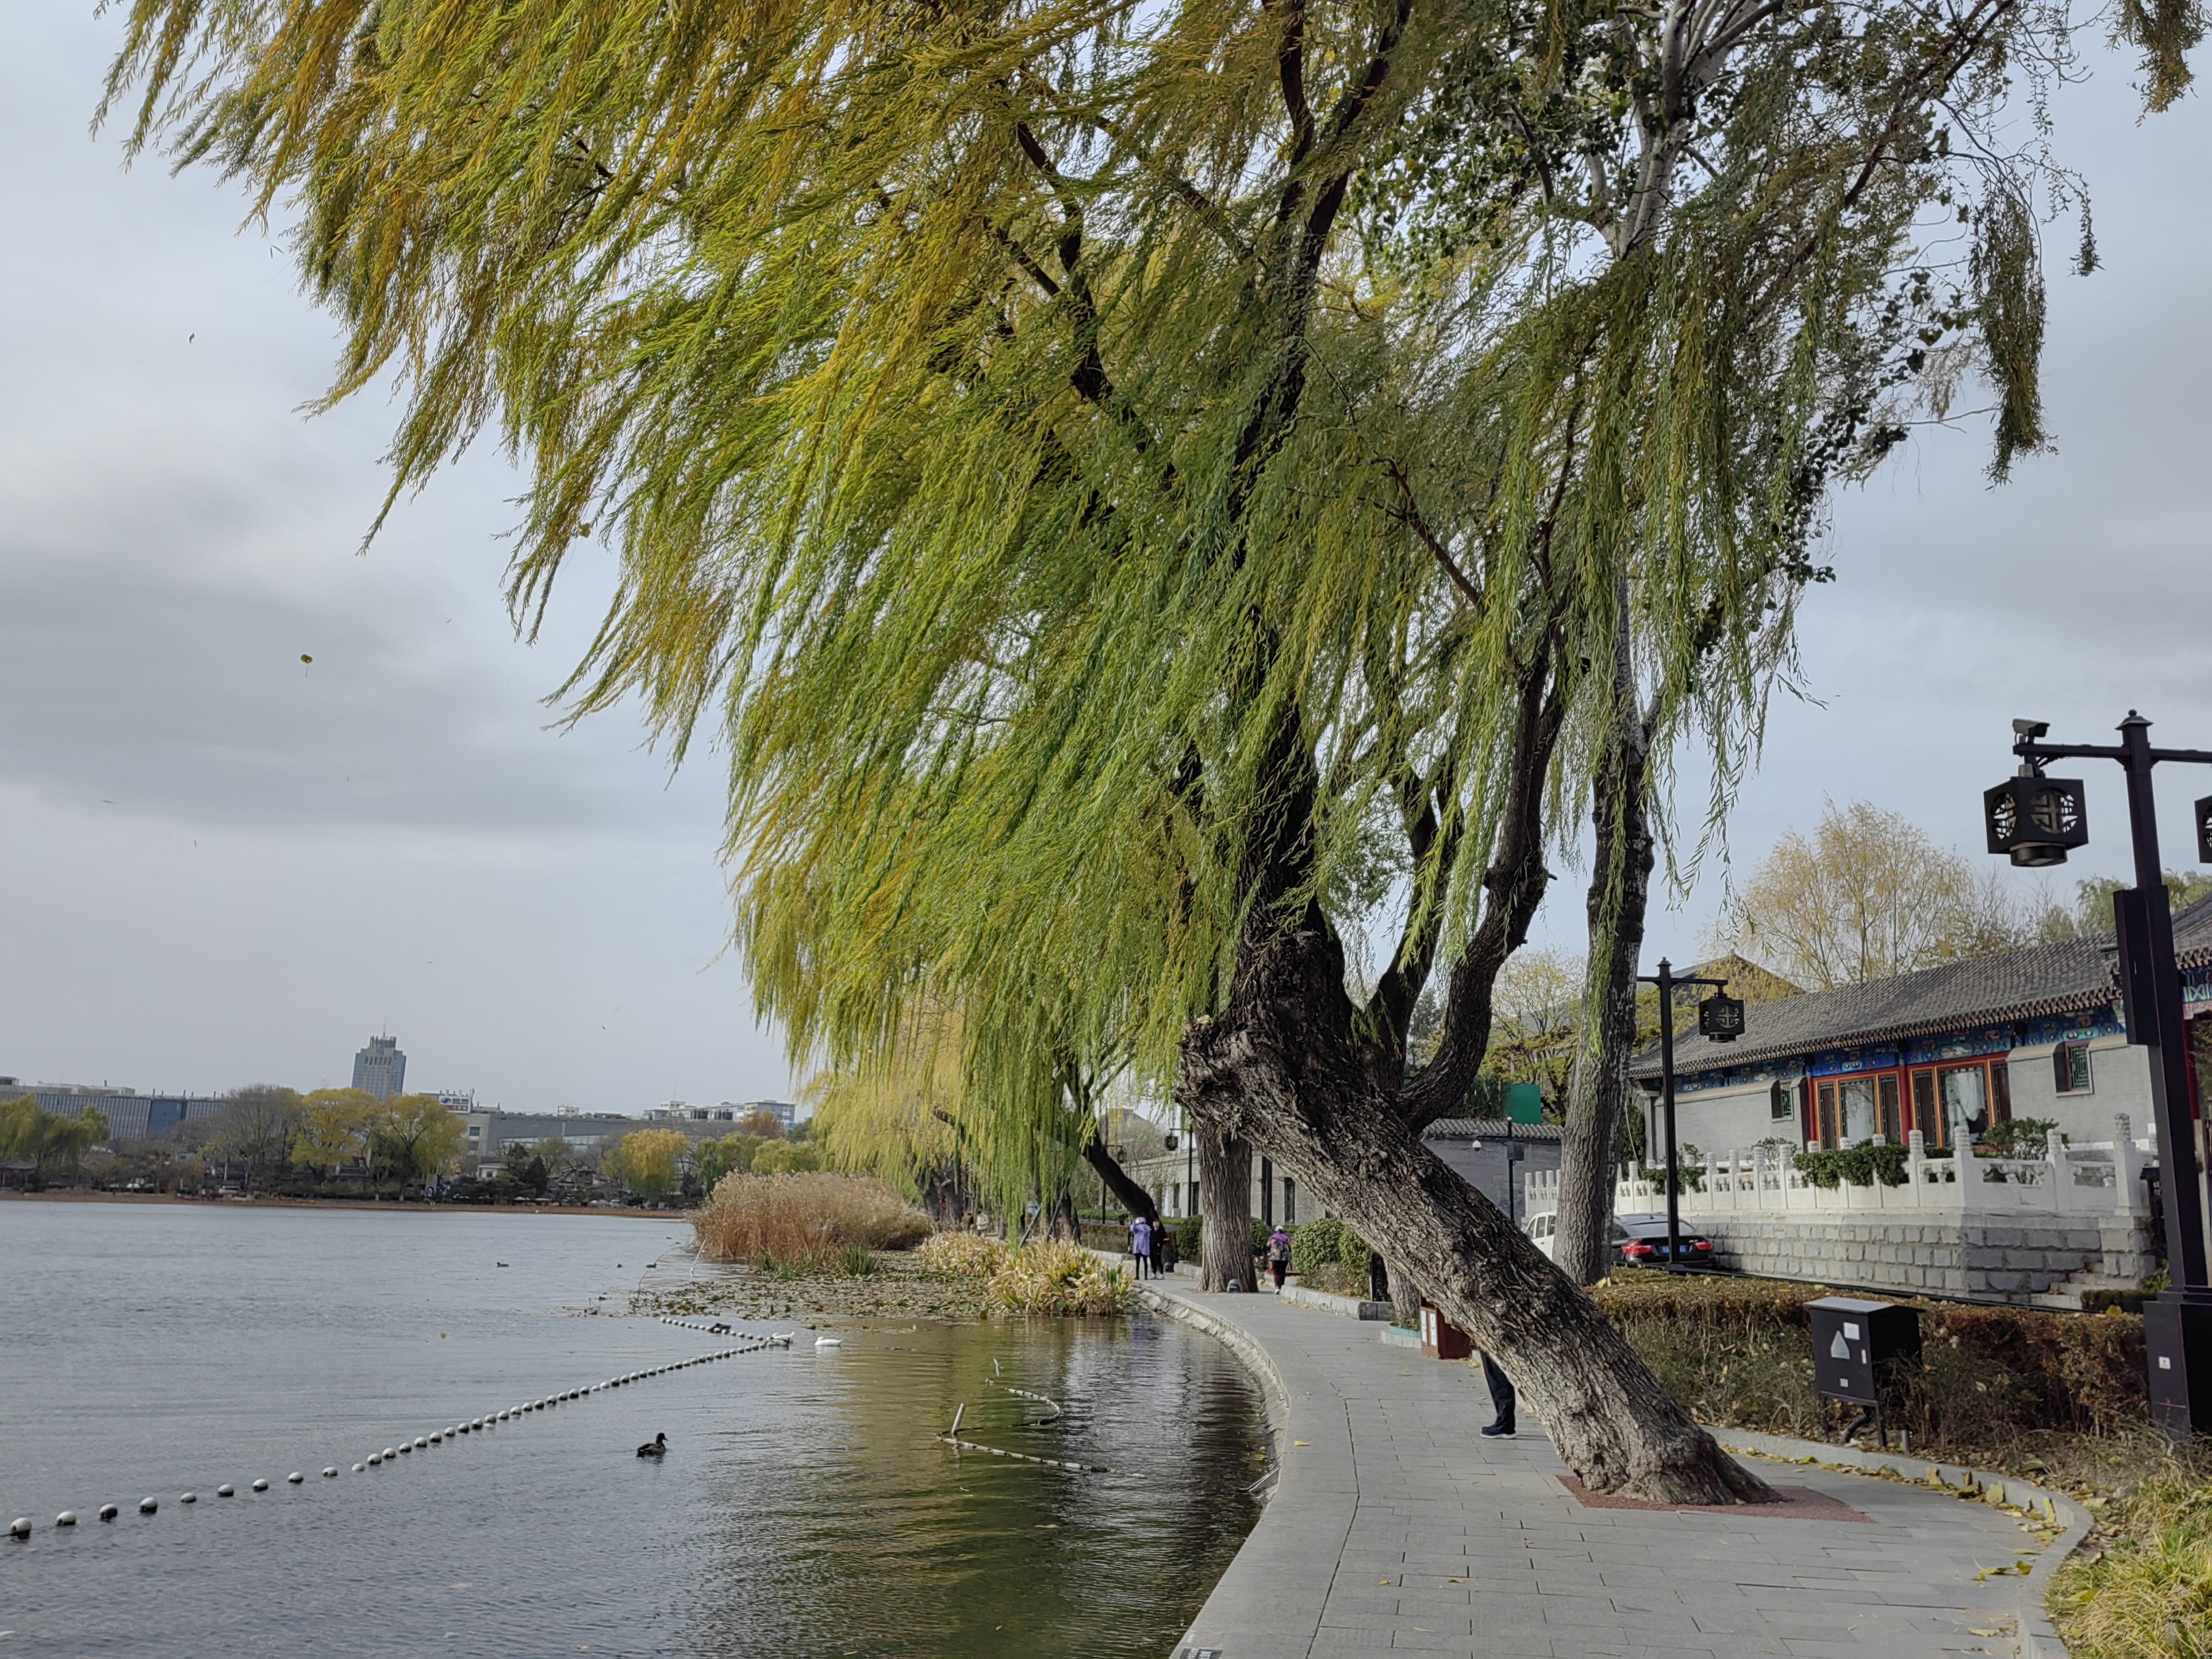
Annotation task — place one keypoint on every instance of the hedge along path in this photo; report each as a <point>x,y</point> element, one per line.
<point>407,1445</point>
<point>2084,1372</point>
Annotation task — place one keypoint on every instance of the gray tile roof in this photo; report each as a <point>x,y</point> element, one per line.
<point>2026,984</point>
<point>1487,1128</point>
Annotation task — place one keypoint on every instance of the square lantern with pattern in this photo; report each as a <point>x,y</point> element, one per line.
<point>2036,821</point>
<point>1720,1017</point>
<point>2204,813</point>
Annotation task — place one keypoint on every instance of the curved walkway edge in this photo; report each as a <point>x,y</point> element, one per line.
<point>1393,1524</point>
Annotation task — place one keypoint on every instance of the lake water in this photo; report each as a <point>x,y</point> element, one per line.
<point>803,1507</point>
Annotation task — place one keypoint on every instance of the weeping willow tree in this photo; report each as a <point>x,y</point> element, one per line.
<point>1151,499</point>
<point>909,1114</point>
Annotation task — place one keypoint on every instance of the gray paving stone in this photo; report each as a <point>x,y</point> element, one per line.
<point>1486,1554</point>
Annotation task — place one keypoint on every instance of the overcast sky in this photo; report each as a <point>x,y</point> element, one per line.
<point>223,864</point>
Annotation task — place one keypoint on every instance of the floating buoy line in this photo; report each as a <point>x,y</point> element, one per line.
<point>951,1438</point>
<point>22,1526</point>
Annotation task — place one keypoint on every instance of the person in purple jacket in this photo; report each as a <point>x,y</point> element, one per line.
<point>1140,1243</point>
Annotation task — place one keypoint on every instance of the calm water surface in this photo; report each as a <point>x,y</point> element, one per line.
<point>802,1510</point>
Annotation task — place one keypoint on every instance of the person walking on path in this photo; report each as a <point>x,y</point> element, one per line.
<point>1501,1397</point>
<point>1278,1256</point>
<point>1140,1243</point>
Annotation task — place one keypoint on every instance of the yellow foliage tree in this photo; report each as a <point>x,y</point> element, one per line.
<point>333,1127</point>
<point>417,1136</point>
<point>1868,896</point>
<point>648,1162</point>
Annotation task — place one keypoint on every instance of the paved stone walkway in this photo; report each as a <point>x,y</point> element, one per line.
<point>1395,1525</point>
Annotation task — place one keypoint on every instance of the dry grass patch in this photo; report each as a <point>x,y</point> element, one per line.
<point>1057,1276</point>
<point>962,1255</point>
<point>2141,1587</point>
<point>811,1220</point>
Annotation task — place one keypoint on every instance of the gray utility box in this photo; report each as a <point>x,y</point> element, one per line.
<point>1862,1352</point>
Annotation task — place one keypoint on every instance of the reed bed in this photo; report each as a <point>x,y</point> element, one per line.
<point>1057,1276</point>
<point>962,1255</point>
<point>811,1221</point>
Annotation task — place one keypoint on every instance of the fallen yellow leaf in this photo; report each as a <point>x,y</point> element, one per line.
<point>1297,1442</point>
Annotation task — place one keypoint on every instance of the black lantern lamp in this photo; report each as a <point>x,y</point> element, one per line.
<point>2204,813</point>
<point>1720,1017</point>
<point>2034,820</point>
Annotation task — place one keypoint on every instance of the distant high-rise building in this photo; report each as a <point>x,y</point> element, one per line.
<point>381,1069</point>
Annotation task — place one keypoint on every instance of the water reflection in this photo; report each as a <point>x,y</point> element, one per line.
<point>804,1507</point>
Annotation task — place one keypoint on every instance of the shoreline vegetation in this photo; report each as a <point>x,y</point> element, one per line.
<point>389,1206</point>
<point>851,1245</point>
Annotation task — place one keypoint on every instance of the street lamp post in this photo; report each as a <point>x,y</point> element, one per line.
<point>1720,1017</point>
<point>2036,821</point>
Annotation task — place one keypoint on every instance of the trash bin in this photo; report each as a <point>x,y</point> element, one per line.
<point>1440,1338</point>
<point>1863,1352</point>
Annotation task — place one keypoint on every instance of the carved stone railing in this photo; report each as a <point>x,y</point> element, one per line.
<point>2092,1178</point>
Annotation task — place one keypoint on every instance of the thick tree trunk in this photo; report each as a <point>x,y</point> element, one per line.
<point>1620,890</point>
<point>1132,1197</point>
<point>1405,1296</point>
<point>1280,1068</point>
<point>1225,1198</point>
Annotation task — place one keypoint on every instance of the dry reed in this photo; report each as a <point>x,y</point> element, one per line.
<point>809,1220</point>
<point>962,1255</point>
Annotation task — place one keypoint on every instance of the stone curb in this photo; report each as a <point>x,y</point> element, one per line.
<point>2039,1637</point>
<point>1348,1307</point>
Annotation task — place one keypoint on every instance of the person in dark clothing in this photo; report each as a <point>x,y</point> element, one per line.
<point>1167,1249</point>
<point>1278,1256</point>
<point>1379,1277</point>
<point>1501,1397</point>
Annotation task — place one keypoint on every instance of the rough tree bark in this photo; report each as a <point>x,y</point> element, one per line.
<point>1281,1068</point>
<point>1620,890</point>
<point>1224,1200</point>
<point>1132,1197</point>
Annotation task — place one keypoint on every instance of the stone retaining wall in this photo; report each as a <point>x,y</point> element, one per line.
<point>2013,1259</point>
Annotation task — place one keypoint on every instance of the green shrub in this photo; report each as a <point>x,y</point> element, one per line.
<point>2019,1137</point>
<point>1190,1232</point>
<point>1316,1242</point>
<point>1862,1166</point>
<point>1738,1350</point>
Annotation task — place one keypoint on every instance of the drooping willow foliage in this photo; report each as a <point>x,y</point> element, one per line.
<point>1057,449</point>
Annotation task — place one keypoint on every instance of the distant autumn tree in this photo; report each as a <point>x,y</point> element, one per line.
<point>648,1162</point>
<point>333,1128</point>
<point>1870,895</point>
<point>256,1126</point>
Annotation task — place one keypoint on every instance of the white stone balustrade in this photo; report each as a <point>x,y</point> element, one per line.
<point>2097,1178</point>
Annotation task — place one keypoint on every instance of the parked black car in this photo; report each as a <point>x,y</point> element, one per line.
<point>1640,1241</point>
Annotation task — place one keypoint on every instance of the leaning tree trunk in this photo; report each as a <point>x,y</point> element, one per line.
<point>1224,1200</point>
<point>1619,892</point>
<point>1133,1199</point>
<point>1279,1066</point>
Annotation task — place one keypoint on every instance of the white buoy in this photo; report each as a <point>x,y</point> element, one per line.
<point>20,1526</point>
<point>375,1458</point>
<point>66,1518</point>
<point>108,1511</point>
<point>361,1468</point>
<point>261,1485</point>
<point>329,1472</point>
<point>146,1506</point>
<point>437,1439</point>
<point>190,1497</point>
<point>389,1453</point>
<point>226,1490</point>
<point>407,1445</point>
<point>294,1478</point>
<point>420,1441</point>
